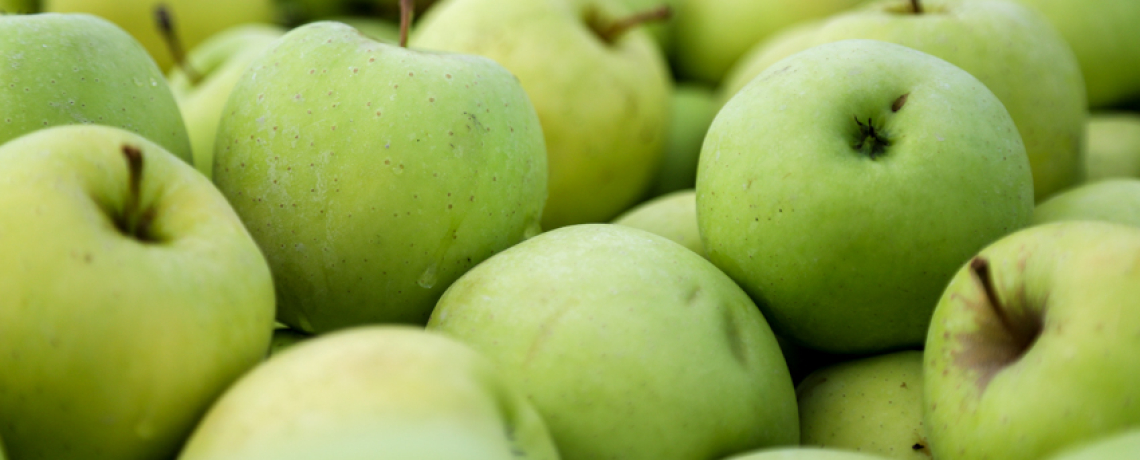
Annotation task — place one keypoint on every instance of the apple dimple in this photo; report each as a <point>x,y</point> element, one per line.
<point>1005,332</point>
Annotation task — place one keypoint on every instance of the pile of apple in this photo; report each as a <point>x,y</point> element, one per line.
<point>577,229</point>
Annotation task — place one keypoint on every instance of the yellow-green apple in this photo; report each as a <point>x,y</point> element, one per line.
<point>602,97</point>
<point>1117,446</point>
<point>1110,200</point>
<point>196,20</point>
<point>844,186</point>
<point>709,36</point>
<point>60,69</point>
<point>1032,347</point>
<point>673,216</point>
<point>871,405</point>
<point>392,392</point>
<point>694,106</point>
<point>630,345</point>
<point>130,296</point>
<point>805,453</point>
<point>216,65</point>
<point>19,6</point>
<point>1113,145</point>
<point>1102,34</point>
<point>374,175</point>
<point>1012,49</point>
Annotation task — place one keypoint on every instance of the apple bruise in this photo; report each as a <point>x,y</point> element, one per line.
<point>609,31</point>
<point>1005,332</point>
<point>134,222</point>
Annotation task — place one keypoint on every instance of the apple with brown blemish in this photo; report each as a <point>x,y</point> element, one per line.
<point>1033,346</point>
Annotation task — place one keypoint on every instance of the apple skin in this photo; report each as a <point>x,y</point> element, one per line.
<point>604,108</point>
<point>121,340</point>
<point>1113,145</point>
<point>1032,347</point>
<point>19,7</point>
<point>1012,49</point>
<point>348,395</point>
<point>673,216</point>
<point>694,107</point>
<point>709,36</point>
<point>1102,34</point>
<point>805,453</point>
<point>630,345</point>
<point>1109,200</point>
<point>870,405</point>
<point>373,176</point>
<point>220,62</point>
<point>64,69</point>
<point>845,252</point>
<point>194,20</point>
<point>1117,446</point>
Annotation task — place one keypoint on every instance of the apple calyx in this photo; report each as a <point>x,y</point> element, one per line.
<point>133,222</point>
<point>610,31</point>
<point>871,142</point>
<point>166,28</point>
<point>407,9</point>
<point>996,344</point>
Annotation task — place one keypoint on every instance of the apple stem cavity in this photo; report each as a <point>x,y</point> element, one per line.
<point>1023,333</point>
<point>132,222</point>
<point>916,6</point>
<point>407,9</point>
<point>166,28</point>
<point>871,141</point>
<point>611,32</point>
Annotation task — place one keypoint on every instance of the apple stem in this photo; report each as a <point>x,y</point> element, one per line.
<point>916,5</point>
<point>133,222</point>
<point>615,30</point>
<point>407,9</point>
<point>1023,336</point>
<point>166,28</point>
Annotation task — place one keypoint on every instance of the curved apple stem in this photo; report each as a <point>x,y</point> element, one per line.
<point>407,8</point>
<point>133,222</point>
<point>166,28</point>
<point>916,5</point>
<point>618,28</point>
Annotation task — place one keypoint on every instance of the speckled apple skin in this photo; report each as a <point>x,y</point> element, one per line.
<point>373,176</point>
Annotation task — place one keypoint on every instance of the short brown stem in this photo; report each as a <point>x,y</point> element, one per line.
<point>167,29</point>
<point>615,30</point>
<point>407,9</point>
<point>916,5</point>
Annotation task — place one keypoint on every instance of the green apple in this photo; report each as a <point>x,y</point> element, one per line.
<point>1113,145</point>
<point>195,20</point>
<point>786,42</point>
<point>284,337</point>
<point>844,186</point>
<point>1109,200</point>
<point>673,216</point>
<point>61,69</point>
<point>1012,49</point>
<point>217,64</point>
<point>805,453</point>
<point>19,7</point>
<point>373,176</point>
<point>131,296</point>
<point>693,108</point>
<point>372,392</point>
<point>1117,446</point>
<point>604,105</point>
<point>1102,34</point>
<point>709,36</point>
<point>871,405</point>
<point>629,345</point>
<point>1032,347</point>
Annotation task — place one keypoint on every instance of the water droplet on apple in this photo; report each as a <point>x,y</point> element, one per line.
<point>429,278</point>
